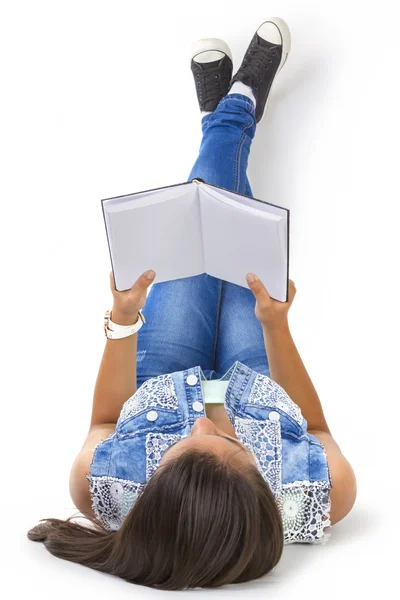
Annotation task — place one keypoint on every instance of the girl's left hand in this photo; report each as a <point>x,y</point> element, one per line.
<point>128,303</point>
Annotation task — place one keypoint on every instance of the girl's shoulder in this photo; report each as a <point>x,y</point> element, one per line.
<point>344,484</point>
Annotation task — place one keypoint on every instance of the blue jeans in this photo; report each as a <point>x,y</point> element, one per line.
<point>203,320</point>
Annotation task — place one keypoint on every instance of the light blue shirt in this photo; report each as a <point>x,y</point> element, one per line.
<point>214,391</point>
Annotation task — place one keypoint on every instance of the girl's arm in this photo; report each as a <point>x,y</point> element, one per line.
<point>286,366</point>
<point>288,370</point>
<point>116,381</point>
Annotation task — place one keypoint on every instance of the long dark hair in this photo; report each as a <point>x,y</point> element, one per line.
<point>199,522</point>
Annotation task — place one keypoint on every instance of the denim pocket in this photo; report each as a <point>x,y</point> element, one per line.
<point>155,394</point>
<point>266,395</point>
<point>288,425</point>
<point>151,419</point>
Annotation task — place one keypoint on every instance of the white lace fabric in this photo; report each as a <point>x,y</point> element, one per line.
<point>112,499</point>
<point>153,393</point>
<point>266,392</point>
<point>304,506</point>
<point>305,510</point>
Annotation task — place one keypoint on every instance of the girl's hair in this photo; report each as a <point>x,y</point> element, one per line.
<point>199,522</point>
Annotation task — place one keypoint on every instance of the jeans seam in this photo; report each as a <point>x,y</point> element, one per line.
<point>237,156</point>
<point>236,163</point>
<point>110,454</point>
<point>220,283</point>
<point>250,107</point>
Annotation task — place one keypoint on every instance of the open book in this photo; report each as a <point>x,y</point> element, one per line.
<point>194,227</point>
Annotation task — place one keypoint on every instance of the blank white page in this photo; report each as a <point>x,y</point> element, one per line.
<point>237,241</point>
<point>122,203</point>
<point>231,202</point>
<point>247,201</point>
<point>164,236</point>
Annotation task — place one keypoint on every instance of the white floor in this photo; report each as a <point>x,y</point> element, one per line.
<point>360,559</point>
<point>98,100</point>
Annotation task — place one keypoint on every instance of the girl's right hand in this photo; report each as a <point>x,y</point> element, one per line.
<point>271,313</point>
<point>128,303</point>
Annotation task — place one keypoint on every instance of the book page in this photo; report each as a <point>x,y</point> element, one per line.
<point>161,235</point>
<point>122,203</point>
<point>241,240</point>
<point>241,200</point>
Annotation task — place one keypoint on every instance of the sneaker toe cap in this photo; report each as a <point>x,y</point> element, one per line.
<point>270,32</point>
<point>208,56</point>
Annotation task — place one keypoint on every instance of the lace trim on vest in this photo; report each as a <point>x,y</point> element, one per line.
<point>112,498</point>
<point>304,506</point>
<point>158,392</point>
<point>156,445</point>
<point>305,509</point>
<point>263,437</point>
<point>266,392</point>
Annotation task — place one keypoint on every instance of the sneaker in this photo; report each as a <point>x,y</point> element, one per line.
<point>264,58</point>
<point>212,70</point>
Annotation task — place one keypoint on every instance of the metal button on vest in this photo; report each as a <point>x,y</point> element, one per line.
<point>197,406</point>
<point>191,380</point>
<point>274,416</point>
<point>152,415</point>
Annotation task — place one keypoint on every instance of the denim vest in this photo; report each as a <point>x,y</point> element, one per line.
<point>163,410</point>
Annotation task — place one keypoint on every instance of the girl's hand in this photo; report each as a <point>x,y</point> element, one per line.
<point>271,313</point>
<point>128,303</point>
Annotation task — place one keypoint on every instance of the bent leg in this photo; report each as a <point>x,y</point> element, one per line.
<point>240,335</point>
<point>182,315</point>
<point>180,330</point>
<point>223,160</point>
<point>225,145</point>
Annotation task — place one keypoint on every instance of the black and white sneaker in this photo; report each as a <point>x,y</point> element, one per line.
<point>264,58</point>
<point>212,70</point>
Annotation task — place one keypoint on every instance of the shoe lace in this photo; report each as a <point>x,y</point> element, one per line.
<point>255,61</point>
<point>209,83</point>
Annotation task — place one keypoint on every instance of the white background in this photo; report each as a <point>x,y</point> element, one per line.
<point>97,100</point>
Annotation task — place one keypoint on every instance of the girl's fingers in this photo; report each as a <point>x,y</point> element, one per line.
<point>142,282</point>
<point>257,287</point>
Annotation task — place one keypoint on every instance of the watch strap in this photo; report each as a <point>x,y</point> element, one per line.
<point>113,331</point>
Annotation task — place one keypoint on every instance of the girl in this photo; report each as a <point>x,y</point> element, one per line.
<point>208,449</point>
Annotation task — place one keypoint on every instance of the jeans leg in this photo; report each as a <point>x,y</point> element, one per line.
<point>182,315</point>
<point>180,329</point>
<point>198,165</point>
<point>248,191</point>
<point>240,335</point>
<point>225,145</point>
<point>223,160</point>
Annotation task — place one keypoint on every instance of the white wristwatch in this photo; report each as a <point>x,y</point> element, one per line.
<point>113,331</point>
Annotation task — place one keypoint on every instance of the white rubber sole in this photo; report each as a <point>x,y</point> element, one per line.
<point>286,45</point>
<point>207,44</point>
